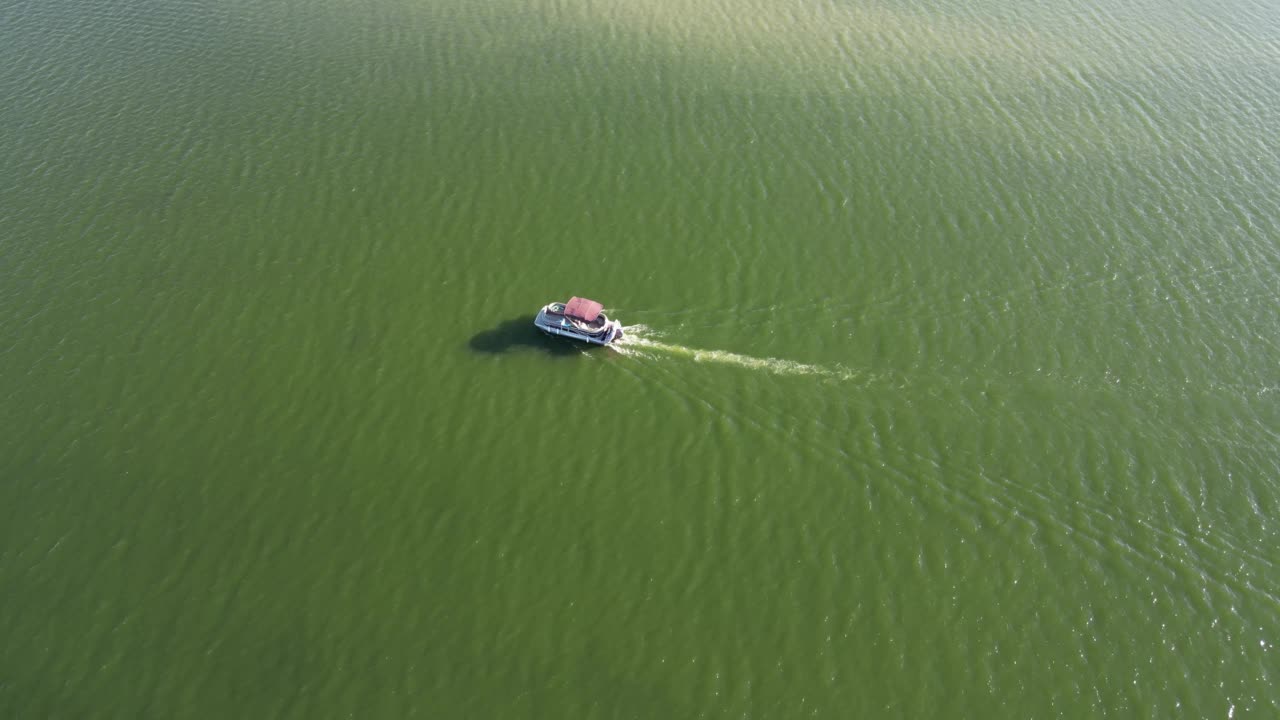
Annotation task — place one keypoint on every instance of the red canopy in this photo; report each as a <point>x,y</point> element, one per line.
<point>583,309</point>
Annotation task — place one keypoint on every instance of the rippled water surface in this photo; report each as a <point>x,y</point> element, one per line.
<point>951,384</point>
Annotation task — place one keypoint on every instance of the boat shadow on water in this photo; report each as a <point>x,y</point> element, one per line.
<point>519,334</point>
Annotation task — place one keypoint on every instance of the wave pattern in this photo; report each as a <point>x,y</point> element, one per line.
<point>997,432</point>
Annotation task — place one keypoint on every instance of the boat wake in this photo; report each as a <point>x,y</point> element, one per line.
<point>635,342</point>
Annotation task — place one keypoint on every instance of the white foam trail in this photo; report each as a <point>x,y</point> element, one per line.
<point>634,340</point>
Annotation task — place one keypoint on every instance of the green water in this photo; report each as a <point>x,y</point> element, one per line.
<point>950,387</point>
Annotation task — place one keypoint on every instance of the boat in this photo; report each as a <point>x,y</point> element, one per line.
<point>578,319</point>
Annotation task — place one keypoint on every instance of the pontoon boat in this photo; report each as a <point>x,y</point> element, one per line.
<point>579,319</point>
